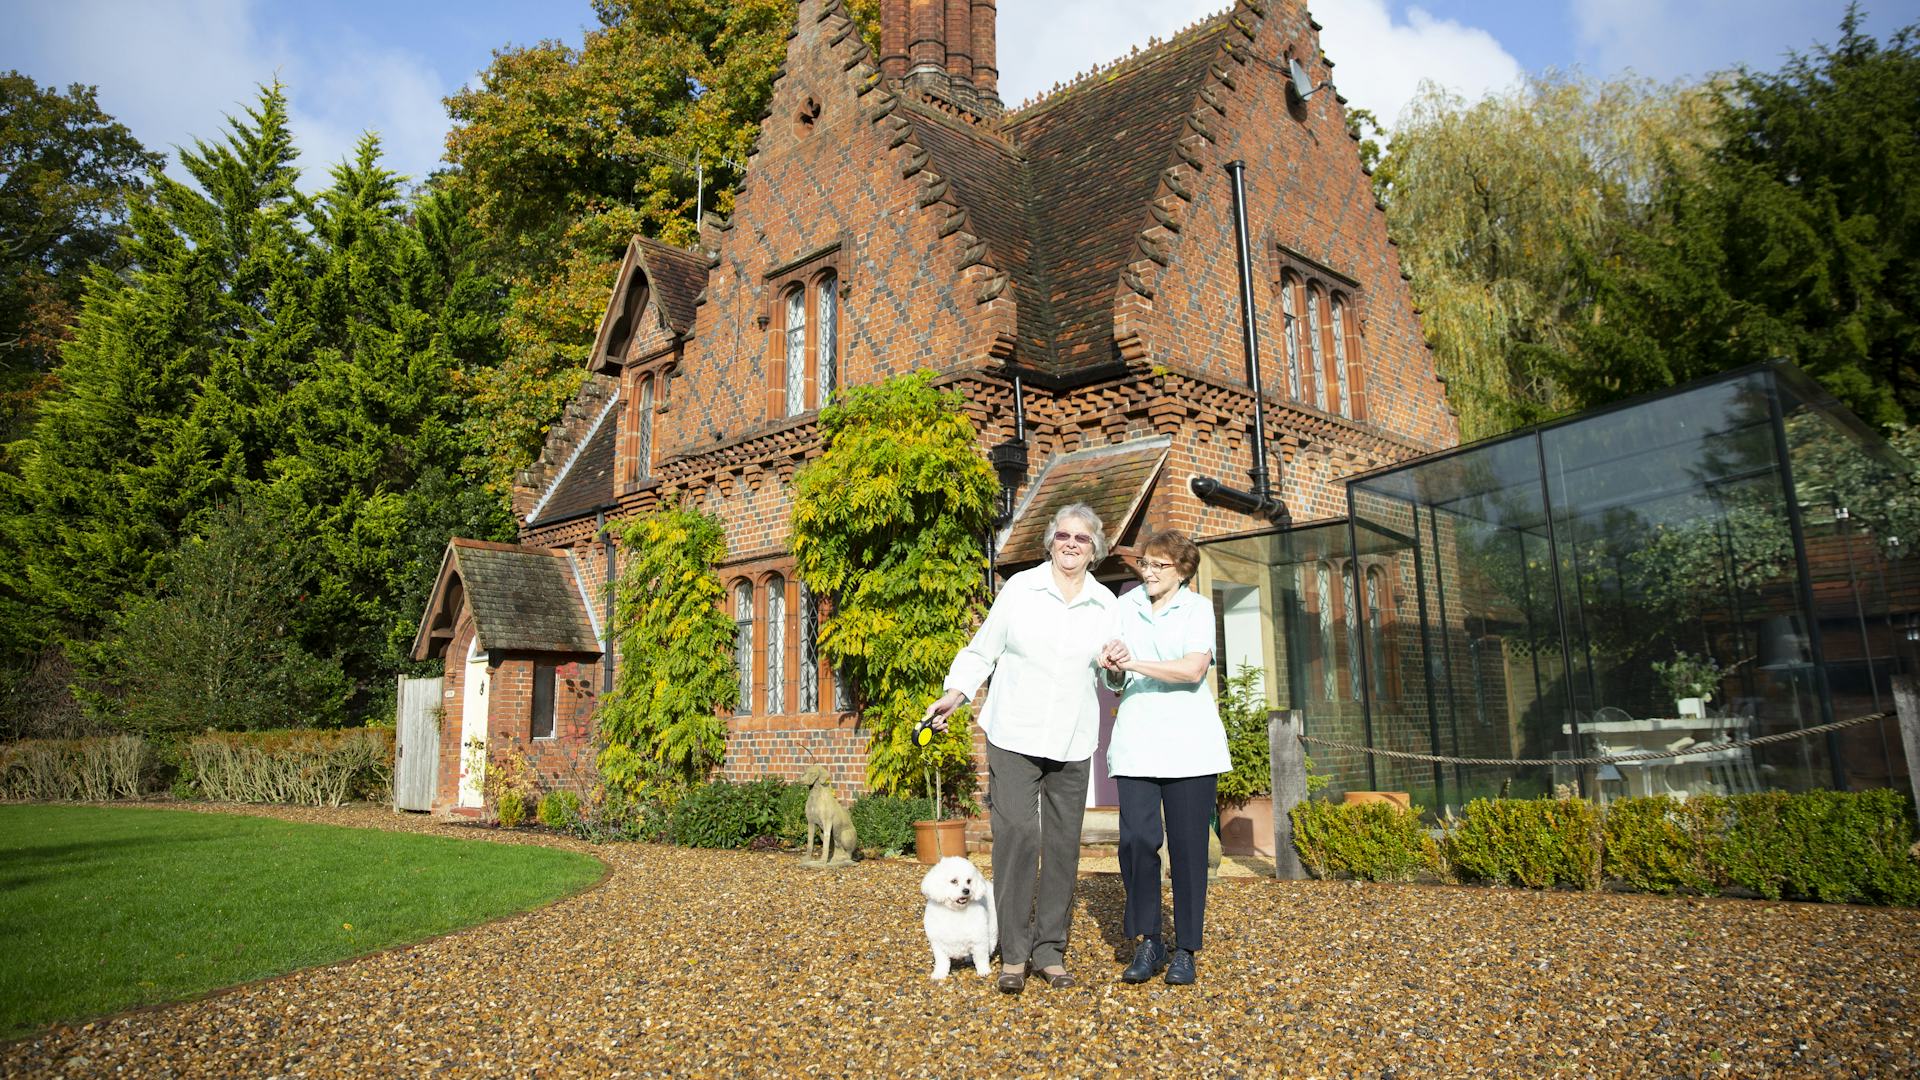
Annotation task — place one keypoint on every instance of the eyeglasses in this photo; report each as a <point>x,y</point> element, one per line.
<point>1082,539</point>
<point>1155,565</point>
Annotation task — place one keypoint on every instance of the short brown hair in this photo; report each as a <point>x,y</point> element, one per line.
<point>1177,548</point>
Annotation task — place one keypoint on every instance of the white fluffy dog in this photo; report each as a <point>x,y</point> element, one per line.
<point>960,919</point>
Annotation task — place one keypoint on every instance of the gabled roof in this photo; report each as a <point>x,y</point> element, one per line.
<point>1113,480</point>
<point>585,481</point>
<point>523,599</point>
<point>656,282</point>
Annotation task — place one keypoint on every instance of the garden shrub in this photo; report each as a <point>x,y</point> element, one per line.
<point>1374,841</point>
<point>511,787</point>
<point>884,823</point>
<point>724,814</point>
<point>1833,846</point>
<point>559,809</point>
<point>793,813</point>
<point>304,768</point>
<point>1666,845</point>
<point>75,770</point>
<point>1538,843</point>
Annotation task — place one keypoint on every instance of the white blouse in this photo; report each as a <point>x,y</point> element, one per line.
<point>1043,653</point>
<point>1167,730</point>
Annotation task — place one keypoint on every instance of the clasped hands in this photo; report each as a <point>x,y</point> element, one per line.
<point>1115,656</point>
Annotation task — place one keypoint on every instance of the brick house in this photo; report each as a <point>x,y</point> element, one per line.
<point>1069,266</point>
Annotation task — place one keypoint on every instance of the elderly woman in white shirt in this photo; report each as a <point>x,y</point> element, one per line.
<point>1043,644</point>
<point>1166,753</point>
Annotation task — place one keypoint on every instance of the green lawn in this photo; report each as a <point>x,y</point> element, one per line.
<point>104,908</point>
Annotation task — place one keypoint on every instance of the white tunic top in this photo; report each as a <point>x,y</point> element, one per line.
<point>1042,652</point>
<point>1167,730</point>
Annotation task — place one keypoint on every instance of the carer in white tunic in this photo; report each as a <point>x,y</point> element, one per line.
<point>1042,645</point>
<point>1166,753</point>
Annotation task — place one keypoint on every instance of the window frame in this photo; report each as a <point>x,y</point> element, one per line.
<point>810,276</point>
<point>742,592</point>
<point>548,673</point>
<point>1334,360</point>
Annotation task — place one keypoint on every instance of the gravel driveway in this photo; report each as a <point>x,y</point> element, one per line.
<point>694,963</point>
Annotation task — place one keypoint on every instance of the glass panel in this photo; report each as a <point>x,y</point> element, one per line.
<point>1317,347</point>
<point>809,651</point>
<point>829,333</point>
<point>743,645</point>
<point>1340,357</point>
<point>1290,333</point>
<point>796,327</point>
<point>776,646</point>
<point>1354,690</point>
<point>644,453</point>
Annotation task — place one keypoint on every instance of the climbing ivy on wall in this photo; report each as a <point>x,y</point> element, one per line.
<point>887,523</point>
<point>676,680</point>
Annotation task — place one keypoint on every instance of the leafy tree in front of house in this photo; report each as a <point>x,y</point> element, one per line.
<point>675,679</point>
<point>887,524</point>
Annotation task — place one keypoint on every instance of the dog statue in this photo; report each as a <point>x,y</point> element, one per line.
<point>824,812</point>
<point>960,918</point>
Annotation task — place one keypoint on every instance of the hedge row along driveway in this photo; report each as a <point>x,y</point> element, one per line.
<point>709,963</point>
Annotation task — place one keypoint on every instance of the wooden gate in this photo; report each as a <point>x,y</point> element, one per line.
<point>416,745</point>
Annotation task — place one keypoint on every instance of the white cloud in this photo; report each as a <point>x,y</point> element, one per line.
<point>1667,41</point>
<point>172,73</point>
<point>1379,62</point>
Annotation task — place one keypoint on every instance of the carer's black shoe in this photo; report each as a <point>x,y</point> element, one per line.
<point>1180,970</point>
<point>1148,957</point>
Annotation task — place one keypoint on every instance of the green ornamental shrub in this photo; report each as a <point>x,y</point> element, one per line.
<point>1538,843</point>
<point>511,808</point>
<point>884,823</point>
<point>1834,846</point>
<point>793,814</point>
<point>724,814</point>
<point>1374,841</point>
<point>559,809</point>
<point>1667,845</point>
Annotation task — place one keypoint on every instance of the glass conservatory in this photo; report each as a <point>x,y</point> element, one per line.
<point>1686,571</point>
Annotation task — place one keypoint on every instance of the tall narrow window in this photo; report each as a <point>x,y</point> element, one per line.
<point>842,691</point>
<point>1323,586</point>
<point>1314,344</point>
<point>827,331</point>
<point>1290,331</point>
<point>1356,367</point>
<point>540,723</point>
<point>1340,356</point>
<point>809,651</point>
<point>776,646</point>
<point>1376,636</point>
<point>743,644</point>
<point>643,450</point>
<point>1354,688</point>
<point>796,330</point>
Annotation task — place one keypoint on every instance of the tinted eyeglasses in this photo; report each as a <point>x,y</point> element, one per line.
<point>1082,539</point>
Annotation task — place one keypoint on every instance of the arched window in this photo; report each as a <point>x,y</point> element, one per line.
<point>743,644</point>
<point>827,336</point>
<point>1340,356</point>
<point>1352,610</point>
<point>776,645</point>
<point>643,442</point>
<point>1376,633</point>
<point>796,331</point>
<point>1290,330</point>
<point>809,651</point>
<point>1317,349</point>
<point>1323,587</point>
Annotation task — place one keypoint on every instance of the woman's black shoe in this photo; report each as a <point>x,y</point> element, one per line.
<point>1180,970</point>
<point>1148,957</point>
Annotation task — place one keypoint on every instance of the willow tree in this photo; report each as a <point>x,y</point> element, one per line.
<point>887,525</point>
<point>1494,204</point>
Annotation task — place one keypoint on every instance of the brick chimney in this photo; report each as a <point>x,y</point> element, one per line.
<point>944,48</point>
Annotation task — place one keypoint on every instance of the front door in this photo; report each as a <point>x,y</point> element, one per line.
<point>473,729</point>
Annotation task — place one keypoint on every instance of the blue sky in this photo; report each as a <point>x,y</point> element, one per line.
<point>170,69</point>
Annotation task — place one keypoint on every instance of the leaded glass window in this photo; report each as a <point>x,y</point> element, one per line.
<point>809,651</point>
<point>643,464</point>
<point>776,646</point>
<point>1318,348</point>
<point>1323,587</point>
<point>743,644</point>
<point>1353,637</point>
<point>1290,320</point>
<point>1340,356</point>
<point>828,332</point>
<point>796,330</point>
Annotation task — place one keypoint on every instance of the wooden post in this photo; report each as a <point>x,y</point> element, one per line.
<point>1289,776</point>
<point>1906,702</point>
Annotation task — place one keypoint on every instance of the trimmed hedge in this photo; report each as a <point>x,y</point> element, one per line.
<point>75,770</point>
<point>1821,845</point>
<point>302,768</point>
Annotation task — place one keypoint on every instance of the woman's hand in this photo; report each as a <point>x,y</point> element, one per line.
<point>1114,656</point>
<point>937,712</point>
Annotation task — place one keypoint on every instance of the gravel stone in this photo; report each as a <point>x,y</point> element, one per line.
<point>723,963</point>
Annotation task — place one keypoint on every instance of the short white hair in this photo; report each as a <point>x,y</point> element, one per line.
<point>1084,513</point>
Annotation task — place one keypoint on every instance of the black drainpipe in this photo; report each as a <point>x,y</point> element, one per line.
<point>1260,501</point>
<point>611,647</point>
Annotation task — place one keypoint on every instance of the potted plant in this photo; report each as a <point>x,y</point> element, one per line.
<point>1691,680</point>
<point>938,837</point>
<point>1243,795</point>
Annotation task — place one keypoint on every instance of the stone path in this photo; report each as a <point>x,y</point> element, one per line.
<point>690,963</point>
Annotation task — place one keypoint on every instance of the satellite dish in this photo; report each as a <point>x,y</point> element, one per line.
<point>1303,86</point>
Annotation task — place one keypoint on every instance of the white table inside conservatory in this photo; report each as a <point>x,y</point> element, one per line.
<point>1647,734</point>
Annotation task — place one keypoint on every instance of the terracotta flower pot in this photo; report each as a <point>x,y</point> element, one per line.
<point>1247,829</point>
<point>935,840</point>
<point>1397,798</point>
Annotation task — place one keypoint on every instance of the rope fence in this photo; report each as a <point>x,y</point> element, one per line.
<point>1647,755</point>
